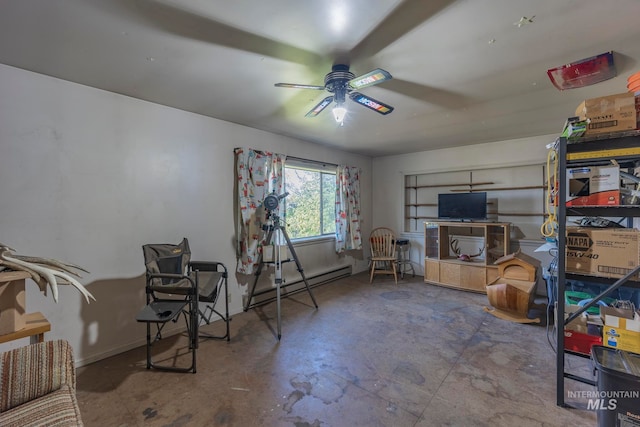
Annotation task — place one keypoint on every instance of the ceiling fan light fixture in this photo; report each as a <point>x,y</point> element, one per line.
<point>338,113</point>
<point>342,84</point>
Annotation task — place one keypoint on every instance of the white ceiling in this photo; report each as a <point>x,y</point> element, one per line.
<point>463,72</point>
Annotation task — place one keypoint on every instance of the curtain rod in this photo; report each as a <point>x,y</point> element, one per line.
<point>300,159</point>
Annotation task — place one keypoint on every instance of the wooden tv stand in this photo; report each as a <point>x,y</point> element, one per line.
<point>442,266</point>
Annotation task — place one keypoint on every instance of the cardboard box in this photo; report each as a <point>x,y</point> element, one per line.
<point>620,331</point>
<point>613,113</point>
<point>593,186</point>
<point>603,252</point>
<point>625,313</point>
<point>574,128</point>
<point>579,324</point>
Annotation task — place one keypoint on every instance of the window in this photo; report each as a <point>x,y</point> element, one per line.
<point>310,205</point>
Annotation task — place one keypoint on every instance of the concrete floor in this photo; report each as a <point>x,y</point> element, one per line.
<point>371,355</point>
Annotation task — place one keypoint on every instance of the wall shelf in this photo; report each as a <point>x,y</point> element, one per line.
<point>463,184</point>
<point>526,187</point>
<point>514,193</point>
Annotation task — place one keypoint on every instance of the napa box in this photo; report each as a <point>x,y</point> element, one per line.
<point>593,186</point>
<point>603,252</point>
<point>613,113</point>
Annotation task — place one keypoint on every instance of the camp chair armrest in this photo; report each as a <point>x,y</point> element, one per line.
<point>168,276</point>
<point>208,266</point>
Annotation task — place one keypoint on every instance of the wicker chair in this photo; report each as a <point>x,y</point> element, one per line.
<point>38,386</point>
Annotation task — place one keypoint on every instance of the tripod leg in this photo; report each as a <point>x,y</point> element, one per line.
<point>257,274</point>
<point>300,270</point>
<point>278,281</point>
<point>278,307</point>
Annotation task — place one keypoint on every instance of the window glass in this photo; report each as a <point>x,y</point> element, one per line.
<point>310,205</point>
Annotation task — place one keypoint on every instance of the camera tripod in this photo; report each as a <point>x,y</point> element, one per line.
<point>272,228</point>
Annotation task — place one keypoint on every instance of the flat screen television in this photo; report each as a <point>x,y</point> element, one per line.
<point>462,206</point>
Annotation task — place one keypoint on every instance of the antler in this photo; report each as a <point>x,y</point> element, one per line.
<point>44,271</point>
<point>478,254</point>
<point>455,246</point>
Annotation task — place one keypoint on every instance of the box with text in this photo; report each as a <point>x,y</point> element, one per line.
<point>613,113</point>
<point>593,186</point>
<point>603,252</point>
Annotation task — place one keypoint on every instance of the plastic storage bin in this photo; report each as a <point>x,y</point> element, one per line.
<point>618,382</point>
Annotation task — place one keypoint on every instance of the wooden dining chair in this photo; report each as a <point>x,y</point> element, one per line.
<point>383,252</point>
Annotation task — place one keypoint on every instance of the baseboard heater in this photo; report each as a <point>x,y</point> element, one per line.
<point>266,296</point>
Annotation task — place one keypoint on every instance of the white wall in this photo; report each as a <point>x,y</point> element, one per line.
<point>388,179</point>
<point>88,177</point>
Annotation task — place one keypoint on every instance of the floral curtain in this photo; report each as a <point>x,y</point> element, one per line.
<point>259,173</point>
<point>348,209</point>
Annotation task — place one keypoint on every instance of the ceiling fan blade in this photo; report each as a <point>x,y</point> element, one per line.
<point>405,17</point>
<point>444,98</point>
<point>182,22</point>
<point>321,106</point>
<point>373,77</point>
<point>298,86</point>
<point>377,106</point>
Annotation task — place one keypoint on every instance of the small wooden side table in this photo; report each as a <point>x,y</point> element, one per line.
<point>35,327</point>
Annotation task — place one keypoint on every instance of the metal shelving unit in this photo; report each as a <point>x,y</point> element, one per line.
<point>625,149</point>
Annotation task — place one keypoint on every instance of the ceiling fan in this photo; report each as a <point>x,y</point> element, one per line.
<point>341,82</point>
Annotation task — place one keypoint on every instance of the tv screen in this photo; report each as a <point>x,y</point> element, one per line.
<point>460,206</point>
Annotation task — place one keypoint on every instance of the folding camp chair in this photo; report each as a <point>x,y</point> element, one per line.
<point>211,278</point>
<point>174,287</point>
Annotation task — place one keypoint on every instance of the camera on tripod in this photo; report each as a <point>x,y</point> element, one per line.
<point>275,233</point>
<point>272,201</point>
